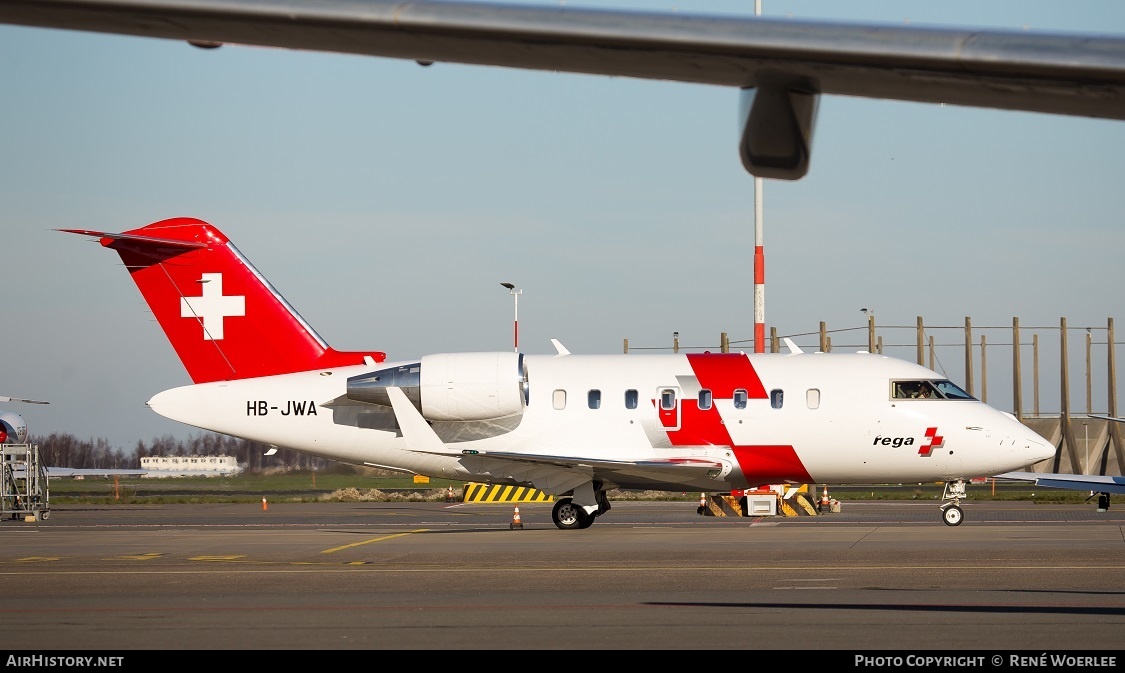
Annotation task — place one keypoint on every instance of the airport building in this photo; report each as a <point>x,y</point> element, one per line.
<point>174,466</point>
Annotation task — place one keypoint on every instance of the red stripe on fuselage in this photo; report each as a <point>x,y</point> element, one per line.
<point>699,427</point>
<point>771,464</point>
<point>722,374</point>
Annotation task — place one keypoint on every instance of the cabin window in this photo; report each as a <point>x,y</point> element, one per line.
<point>777,398</point>
<point>667,399</point>
<point>739,398</point>
<point>594,399</point>
<point>705,399</point>
<point>631,398</point>
<point>558,399</point>
<point>812,398</point>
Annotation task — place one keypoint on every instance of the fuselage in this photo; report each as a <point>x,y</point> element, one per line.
<point>760,418</point>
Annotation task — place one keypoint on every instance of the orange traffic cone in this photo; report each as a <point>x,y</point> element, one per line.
<point>824,502</point>
<point>516,523</point>
<point>264,505</point>
<point>449,494</point>
<point>702,504</point>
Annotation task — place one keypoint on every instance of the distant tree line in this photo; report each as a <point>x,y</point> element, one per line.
<point>65,450</point>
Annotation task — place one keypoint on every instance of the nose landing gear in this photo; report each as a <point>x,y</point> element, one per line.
<point>951,512</point>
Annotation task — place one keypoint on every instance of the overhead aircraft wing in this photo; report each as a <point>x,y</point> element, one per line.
<point>1076,482</point>
<point>782,65</point>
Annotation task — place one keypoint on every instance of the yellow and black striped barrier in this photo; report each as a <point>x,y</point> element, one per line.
<point>495,493</point>
<point>799,502</point>
<point>795,501</point>
<point>721,505</point>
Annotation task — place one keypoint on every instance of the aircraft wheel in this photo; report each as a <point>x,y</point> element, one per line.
<point>585,520</point>
<point>952,515</point>
<point>567,515</point>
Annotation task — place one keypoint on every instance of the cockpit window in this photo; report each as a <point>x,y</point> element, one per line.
<point>928,390</point>
<point>915,390</point>
<point>952,391</point>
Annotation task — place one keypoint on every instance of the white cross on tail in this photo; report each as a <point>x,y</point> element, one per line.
<point>212,306</point>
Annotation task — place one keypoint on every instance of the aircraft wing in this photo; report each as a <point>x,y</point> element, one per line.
<point>559,474</point>
<point>549,473</point>
<point>1078,482</point>
<point>1107,418</point>
<point>670,470</point>
<point>5,398</point>
<point>782,65</point>
<point>53,472</point>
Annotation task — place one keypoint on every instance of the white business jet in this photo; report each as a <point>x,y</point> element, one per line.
<point>573,426</point>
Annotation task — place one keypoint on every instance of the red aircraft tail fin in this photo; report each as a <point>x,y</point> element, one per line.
<point>224,320</point>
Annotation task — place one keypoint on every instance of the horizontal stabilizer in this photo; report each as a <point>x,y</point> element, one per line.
<point>107,239</point>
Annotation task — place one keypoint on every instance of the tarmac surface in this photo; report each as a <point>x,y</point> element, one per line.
<point>878,575</point>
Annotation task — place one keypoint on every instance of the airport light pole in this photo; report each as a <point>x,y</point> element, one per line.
<point>1086,441</point>
<point>516,316</point>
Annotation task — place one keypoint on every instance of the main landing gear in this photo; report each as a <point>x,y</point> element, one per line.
<point>1103,500</point>
<point>568,515</point>
<point>951,512</point>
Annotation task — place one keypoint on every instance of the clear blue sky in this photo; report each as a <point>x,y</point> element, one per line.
<point>388,201</point>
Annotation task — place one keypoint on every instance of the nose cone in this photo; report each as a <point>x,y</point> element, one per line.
<point>1035,447</point>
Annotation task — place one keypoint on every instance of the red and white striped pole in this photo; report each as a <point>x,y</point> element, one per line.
<point>759,273</point>
<point>759,256</point>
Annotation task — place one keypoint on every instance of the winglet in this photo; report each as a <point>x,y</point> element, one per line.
<point>793,348</point>
<point>560,348</point>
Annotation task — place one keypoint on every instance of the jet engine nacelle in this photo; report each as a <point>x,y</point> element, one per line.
<point>451,386</point>
<point>13,429</point>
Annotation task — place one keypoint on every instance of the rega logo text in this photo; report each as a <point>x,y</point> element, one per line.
<point>893,441</point>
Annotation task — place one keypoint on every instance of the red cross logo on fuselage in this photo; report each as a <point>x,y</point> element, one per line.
<point>935,442</point>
